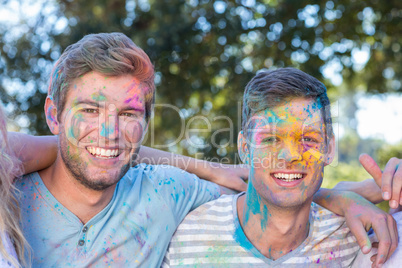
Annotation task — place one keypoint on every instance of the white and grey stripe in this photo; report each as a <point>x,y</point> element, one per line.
<point>206,238</point>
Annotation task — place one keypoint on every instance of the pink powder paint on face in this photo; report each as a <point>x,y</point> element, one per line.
<point>135,98</point>
<point>135,84</point>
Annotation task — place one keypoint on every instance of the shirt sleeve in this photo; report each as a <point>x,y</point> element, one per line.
<point>183,191</point>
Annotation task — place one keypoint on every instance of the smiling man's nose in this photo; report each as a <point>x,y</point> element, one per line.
<point>290,152</point>
<point>110,127</point>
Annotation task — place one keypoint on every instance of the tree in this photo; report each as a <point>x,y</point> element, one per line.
<point>205,52</point>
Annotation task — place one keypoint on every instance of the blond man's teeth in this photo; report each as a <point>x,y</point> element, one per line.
<point>288,177</point>
<point>102,152</point>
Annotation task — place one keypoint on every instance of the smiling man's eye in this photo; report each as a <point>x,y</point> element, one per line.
<point>129,114</point>
<point>90,111</point>
<point>270,139</point>
<point>307,139</point>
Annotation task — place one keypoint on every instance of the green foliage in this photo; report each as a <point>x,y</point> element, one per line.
<point>388,151</point>
<point>352,171</point>
<point>205,52</point>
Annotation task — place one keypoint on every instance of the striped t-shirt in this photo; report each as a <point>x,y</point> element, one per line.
<point>211,236</point>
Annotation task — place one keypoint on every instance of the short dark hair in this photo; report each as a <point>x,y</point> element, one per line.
<point>269,89</point>
<point>111,54</point>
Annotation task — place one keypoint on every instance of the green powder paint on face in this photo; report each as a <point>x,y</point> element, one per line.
<point>101,98</point>
<point>98,97</point>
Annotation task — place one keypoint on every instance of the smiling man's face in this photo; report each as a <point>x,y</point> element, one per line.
<point>287,151</point>
<point>102,126</point>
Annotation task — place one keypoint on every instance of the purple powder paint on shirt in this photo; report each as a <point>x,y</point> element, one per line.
<point>139,239</point>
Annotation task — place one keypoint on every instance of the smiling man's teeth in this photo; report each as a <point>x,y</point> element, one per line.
<point>288,177</point>
<point>102,152</point>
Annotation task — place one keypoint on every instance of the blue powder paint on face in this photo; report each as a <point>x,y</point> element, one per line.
<point>274,118</point>
<point>308,110</point>
<point>103,131</point>
<point>106,132</point>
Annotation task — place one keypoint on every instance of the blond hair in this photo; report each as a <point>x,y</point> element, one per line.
<point>111,54</point>
<point>10,215</point>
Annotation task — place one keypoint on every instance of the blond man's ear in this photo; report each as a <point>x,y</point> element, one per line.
<point>243,148</point>
<point>51,115</point>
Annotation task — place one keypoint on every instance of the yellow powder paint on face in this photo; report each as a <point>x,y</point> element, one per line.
<point>293,135</point>
<point>316,153</point>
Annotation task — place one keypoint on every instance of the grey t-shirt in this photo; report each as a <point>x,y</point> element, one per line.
<point>211,236</point>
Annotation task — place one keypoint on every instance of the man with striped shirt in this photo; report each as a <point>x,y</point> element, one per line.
<point>287,139</point>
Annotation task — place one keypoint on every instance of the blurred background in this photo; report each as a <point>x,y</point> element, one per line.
<point>204,54</point>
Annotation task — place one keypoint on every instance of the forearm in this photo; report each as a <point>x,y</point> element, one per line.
<point>35,152</point>
<point>335,200</point>
<point>367,189</point>
<point>228,191</point>
<point>201,168</point>
<point>230,176</point>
